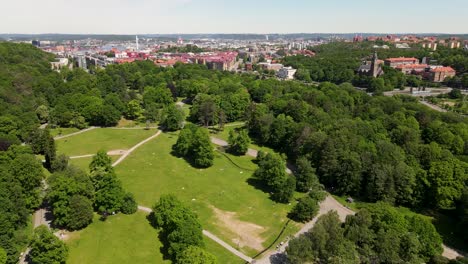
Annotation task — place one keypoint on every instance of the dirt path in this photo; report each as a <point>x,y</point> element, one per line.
<point>76,133</point>
<point>116,152</point>
<point>128,152</point>
<point>132,128</point>
<point>212,237</point>
<point>227,246</point>
<point>432,106</point>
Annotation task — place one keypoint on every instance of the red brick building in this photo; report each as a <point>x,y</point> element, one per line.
<point>439,74</point>
<point>394,62</point>
<point>412,68</point>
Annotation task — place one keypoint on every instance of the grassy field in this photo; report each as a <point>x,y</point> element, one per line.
<point>120,239</point>
<point>102,138</point>
<point>83,163</point>
<point>224,135</point>
<point>127,239</point>
<point>223,256</point>
<point>62,131</point>
<point>221,195</point>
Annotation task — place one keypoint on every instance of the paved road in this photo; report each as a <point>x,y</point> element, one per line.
<point>124,156</point>
<point>212,237</point>
<point>326,206</point>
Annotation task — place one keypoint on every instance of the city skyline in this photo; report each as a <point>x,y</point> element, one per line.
<point>239,17</point>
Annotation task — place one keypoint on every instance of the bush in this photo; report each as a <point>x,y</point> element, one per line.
<point>129,205</point>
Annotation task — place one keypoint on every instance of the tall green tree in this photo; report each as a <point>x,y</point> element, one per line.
<point>101,162</point>
<point>203,153</point>
<point>109,194</point>
<point>239,142</point>
<point>68,191</point>
<point>178,224</point>
<point>81,212</point>
<point>28,171</point>
<point>196,255</point>
<point>173,118</point>
<point>46,248</point>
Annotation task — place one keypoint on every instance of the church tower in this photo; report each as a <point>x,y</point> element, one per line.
<point>375,67</point>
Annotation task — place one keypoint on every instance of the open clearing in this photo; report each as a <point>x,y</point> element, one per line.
<point>151,171</point>
<point>119,239</point>
<point>107,139</point>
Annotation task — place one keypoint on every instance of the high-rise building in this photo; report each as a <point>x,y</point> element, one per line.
<point>136,39</point>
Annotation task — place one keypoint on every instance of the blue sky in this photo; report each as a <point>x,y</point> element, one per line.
<point>241,16</point>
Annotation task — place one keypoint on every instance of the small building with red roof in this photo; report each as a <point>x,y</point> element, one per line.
<point>439,74</point>
<point>394,62</point>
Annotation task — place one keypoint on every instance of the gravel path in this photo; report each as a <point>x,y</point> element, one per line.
<point>212,237</point>
<point>116,152</point>
<point>434,107</point>
<point>128,152</point>
<point>76,133</point>
<point>326,206</point>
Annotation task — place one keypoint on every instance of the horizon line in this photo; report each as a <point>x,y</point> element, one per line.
<point>244,33</point>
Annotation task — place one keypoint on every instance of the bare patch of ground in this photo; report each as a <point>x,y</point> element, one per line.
<point>248,234</point>
<point>116,152</point>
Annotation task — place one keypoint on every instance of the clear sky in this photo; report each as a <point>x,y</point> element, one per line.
<point>233,16</point>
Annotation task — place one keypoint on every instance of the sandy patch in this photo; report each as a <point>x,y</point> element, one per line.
<point>247,234</point>
<point>116,152</point>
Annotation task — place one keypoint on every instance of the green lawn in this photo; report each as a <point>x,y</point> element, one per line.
<point>224,135</point>
<point>120,239</point>
<point>62,131</point>
<point>151,171</point>
<point>223,256</point>
<point>83,163</point>
<point>102,138</point>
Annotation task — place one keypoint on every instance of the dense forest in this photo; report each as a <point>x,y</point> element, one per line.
<point>374,148</point>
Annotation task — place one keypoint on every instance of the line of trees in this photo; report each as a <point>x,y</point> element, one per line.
<point>377,234</point>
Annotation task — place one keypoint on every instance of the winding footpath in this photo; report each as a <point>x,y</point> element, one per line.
<point>76,133</point>
<point>212,237</point>
<point>327,205</point>
<point>128,152</point>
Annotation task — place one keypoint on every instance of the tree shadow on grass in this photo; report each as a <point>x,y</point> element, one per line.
<point>188,159</point>
<point>259,185</point>
<point>162,236</point>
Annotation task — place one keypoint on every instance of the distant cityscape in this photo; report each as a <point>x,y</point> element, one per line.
<point>242,53</point>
